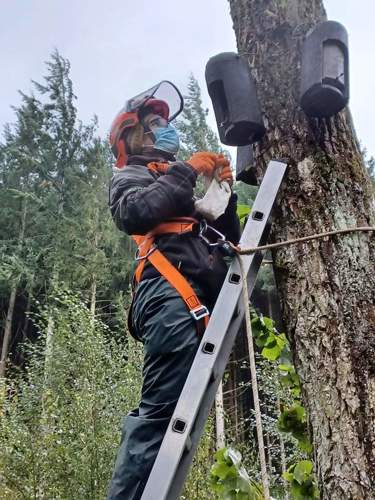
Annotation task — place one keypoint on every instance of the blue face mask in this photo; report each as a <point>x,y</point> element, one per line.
<point>166,139</point>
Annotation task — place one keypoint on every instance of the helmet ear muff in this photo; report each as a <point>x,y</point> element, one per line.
<point>122,157</point>
<point>124,121</point>
<point>134,138</point>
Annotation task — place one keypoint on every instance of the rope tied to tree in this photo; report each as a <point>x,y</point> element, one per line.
<point>270,246</point>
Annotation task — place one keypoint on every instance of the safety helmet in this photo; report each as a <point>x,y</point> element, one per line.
<point>163,99</point>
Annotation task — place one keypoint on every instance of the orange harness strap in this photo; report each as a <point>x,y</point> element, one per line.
<point>147,251</point>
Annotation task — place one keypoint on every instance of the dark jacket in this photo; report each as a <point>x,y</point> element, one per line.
<point>141,199</point>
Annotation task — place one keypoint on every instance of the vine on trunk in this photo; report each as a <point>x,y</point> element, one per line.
<point>229,479</point>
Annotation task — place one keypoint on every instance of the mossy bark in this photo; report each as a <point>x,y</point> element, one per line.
<point>326,287</point>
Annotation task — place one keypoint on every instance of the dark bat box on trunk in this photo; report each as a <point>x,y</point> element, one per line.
<point>233,94</point>
<point>325,70</point>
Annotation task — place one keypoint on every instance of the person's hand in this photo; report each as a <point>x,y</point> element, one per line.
<point>158,167</point>
<point>225,174</point>
<point>206,163</point>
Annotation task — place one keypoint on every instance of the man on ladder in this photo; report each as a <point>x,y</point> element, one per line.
<point>180,267</point>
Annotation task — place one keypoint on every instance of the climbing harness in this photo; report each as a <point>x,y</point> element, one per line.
<point>148,252</point>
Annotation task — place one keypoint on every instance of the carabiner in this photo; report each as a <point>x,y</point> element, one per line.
<point>205,228</point>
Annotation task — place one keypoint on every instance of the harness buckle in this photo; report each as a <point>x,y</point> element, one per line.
<point>199,312</point>
<point>204,228</point>
<point>143,257</point>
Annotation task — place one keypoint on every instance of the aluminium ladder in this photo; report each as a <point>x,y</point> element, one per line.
<point>198,394</point>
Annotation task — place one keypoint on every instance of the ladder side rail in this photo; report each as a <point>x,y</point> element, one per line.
<point>213,352</point>
<point>182,470</point>
<point>208,398</point>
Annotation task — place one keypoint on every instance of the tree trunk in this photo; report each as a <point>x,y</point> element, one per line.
<point>7,330</point>
<point>94,276</point>
<point>219,414</point>
<point>93,295</point>
<point>27,311</point>
<point>12,298</point>
<point>327,287</point>
<point>48,353</point>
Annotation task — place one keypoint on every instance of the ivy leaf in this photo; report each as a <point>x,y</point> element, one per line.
<point>300,412</point>
<point>286,368</point>
<point>271,353</point>
<point>272,340</point>
<point>296,391</point>
<point>220,469</point>
<point>302,471</point>
<point>304,444</point>
<point>242,212</point>
<point>281,341</point>
<point>261,340</point>
<point>256,326</point>
<point>220,455</point>
<point>288,476</point>
<point>268,323</point>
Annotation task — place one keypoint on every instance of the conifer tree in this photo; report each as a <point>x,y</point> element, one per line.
<point>53,178</point>
<point>194,131</point>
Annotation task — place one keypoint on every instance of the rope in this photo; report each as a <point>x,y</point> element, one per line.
<point>254,384</point>
<point>248,251</point>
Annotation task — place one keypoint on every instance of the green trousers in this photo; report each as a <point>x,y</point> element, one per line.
<point>169,334</point>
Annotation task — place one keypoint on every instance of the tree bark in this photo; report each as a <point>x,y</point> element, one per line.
<point>12,299</point>
<point>93,295</point>
<point>327,287</point>
<point>8,330</point>
<point>219,414</point>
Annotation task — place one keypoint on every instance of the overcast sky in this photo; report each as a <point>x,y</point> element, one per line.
<point>118,48</point>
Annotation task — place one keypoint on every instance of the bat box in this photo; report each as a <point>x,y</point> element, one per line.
<point>233,95</point>
<point>325,70</point>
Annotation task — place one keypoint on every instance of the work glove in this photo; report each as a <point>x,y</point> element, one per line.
<point>224,174</point>
<point>158,167</point>
<point>206,163</point>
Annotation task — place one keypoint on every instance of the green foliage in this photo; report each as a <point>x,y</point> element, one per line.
<point>292,420</point>
<point>301,479</point>
<point>60,427</point>
<point>243,211</point>
<point>267,337</point>
<point>55,222</point>
<point>369,164</point>
<point>245,193</point>
<point>229,478</point>
<point>59,432</point>
<point>289,378</point>
<point>196,485</point>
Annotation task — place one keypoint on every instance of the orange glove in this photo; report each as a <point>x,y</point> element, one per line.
<point>158,167</point>
<point>205,162</point>
<point>225,174</point>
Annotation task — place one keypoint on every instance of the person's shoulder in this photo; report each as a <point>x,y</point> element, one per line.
<point>130,176</point>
